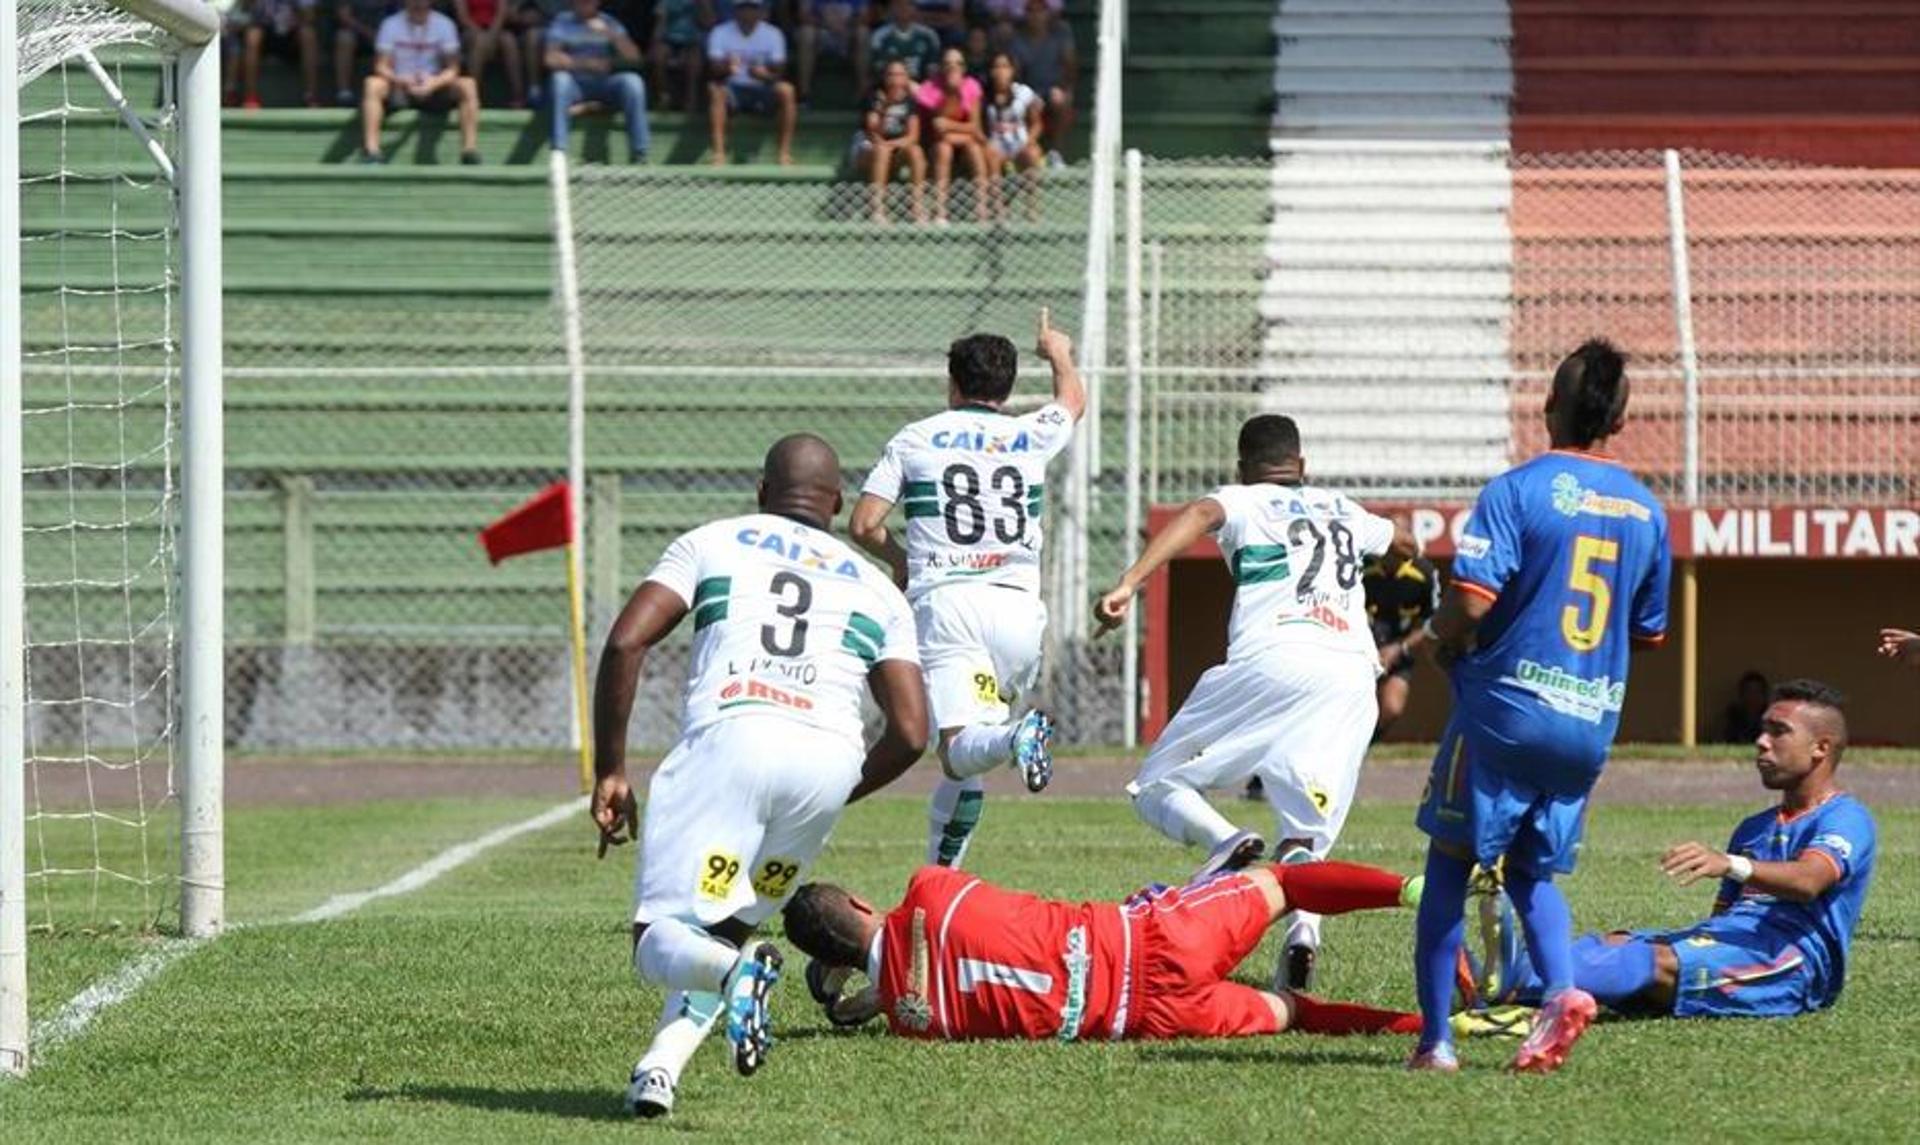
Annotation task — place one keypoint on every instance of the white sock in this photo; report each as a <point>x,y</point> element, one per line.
<point>1303,929</point>
<point>1183,815</point>
<point>684,1023</point>
<point>979,748</point>
<point>682,957</point>
<point>951,819</point>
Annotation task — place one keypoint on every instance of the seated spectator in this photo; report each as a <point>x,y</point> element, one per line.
<point>355,23</point>
<point>1044,54</point>
<point>286,28</point>
<point>891,135</point>
<point>951,103</point>
<point>1014,134</point>
<point>1741,724</point>
<point>839,28</point>
<point>979,51</point>
<point>584,46</point>
<point>747,57</point>
<point>947,18</point>
<point>529,21</point>
<point>416,63</point>
<point>680,30</point>
<point>903,39</point>
<point>483,25</point>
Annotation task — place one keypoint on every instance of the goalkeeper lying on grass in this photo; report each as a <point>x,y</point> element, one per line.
<point>960,958</point>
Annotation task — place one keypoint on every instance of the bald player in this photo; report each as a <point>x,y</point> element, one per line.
<point>789,627</point>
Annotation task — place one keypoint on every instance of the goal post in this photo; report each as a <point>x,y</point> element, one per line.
<point>157,700</point>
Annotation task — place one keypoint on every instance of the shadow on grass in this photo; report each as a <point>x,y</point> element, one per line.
<point>1255,1052</point>
<point>601,1104</point>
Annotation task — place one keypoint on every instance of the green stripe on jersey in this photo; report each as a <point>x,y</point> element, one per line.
<point>1036,500</point>
<point>710,600</point>
<point>922,508</point>
<point>863,637</point>
<point>1258,564</point>
<point>919,489</point>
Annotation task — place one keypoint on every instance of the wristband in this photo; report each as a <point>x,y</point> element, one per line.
<point>1739,868</point>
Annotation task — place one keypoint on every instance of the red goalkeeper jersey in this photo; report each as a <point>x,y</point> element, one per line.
<point>962,959</point>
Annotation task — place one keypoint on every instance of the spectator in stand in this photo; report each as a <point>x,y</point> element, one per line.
<point>891,135</point>
<point>483,25</point>
<point>1048,64</point>
<point>1900,646</point>
<point>585,47</point>
<point>1004,17</point>
<point>529,21</point>
<point>952,104</point>
<point>286,27</point>
<point>679,44</point>
<point>1014,135</point>
<point>979,52</point>
<point>838,28</point>
<point>947,18</point>
<point>355,23</point>
<point>901,38</point>
<point>416,63</point>
<point>748,58</point>
<point>1741,723</point>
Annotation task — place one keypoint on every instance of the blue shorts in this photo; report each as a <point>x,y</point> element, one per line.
<point>1723,980</point>
<point>751,97</point>
<point>1493,814</point>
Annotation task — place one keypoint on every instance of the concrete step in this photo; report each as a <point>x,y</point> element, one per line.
<point>1343,120</point>
<point>1440,8</point>
<point>1754,28</point>
<point>1418,254</point>
<point>1304,309</point>
<point>1833,139</point>
<point>1423,23</point>
<point>1380,51</point>
<point>1444,80</point>
<point>1413,341</point>
<point>1347,226</point>
<point>1301,175</point>
<point>1388,286</point>
<point>1747,85</point>
<point>1409,196</point>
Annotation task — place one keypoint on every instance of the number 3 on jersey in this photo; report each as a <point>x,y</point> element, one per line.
<point>1594,584</point>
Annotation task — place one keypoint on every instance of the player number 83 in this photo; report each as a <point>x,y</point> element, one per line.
<point>1591,582</point>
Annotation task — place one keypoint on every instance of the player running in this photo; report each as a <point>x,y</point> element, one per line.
<point>1561,565</point>
<point>1793,879</point>
<point>788,625</point>
<point>961,959</point>
<point>973,480</point>
<point>1294,703</point>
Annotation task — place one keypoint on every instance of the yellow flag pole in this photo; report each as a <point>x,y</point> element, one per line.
<point>577,629</point>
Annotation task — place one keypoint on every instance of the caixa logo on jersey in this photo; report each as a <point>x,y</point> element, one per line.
<point>799,552</point>
<point>758,693</point>
<point>978,441</point>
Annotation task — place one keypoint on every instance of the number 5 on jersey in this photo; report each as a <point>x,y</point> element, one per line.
<point>1594,584</point>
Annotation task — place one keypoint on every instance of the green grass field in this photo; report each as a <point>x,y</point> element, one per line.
<point>495,1005</point>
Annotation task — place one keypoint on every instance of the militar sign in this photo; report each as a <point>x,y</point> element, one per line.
<point>1809,532</point>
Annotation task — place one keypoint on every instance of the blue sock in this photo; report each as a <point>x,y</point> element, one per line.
<point>1613,972</point>
<point>1549,925</point>
<point>1437,932</point>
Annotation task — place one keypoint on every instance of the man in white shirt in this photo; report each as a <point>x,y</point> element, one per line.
<point>416,63</point>
<point>747,58</point>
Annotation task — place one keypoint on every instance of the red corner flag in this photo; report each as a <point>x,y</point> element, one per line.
<point>545,521</point>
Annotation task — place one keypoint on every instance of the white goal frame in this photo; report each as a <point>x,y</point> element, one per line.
<point>196,27</point>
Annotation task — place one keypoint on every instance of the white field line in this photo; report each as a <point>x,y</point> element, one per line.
<point>73,1018</point>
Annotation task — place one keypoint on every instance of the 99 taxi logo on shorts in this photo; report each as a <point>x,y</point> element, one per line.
<point>720,870</point>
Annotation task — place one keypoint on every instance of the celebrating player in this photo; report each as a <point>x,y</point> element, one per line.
<point>1562,563</point>
<point>787,624</point>
<point>961,959</point>
<point>1294,702</point>
<point>974,479</point>
<point>1792,881</point>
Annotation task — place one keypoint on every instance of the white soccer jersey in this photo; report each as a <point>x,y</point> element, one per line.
<point>1296,553</point>
<point>973,483</point>
<point>787,621</point>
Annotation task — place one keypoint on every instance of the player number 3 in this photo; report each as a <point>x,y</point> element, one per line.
<point>1585,580</point>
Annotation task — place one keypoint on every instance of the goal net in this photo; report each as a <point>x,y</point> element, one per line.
<point>93,332</point>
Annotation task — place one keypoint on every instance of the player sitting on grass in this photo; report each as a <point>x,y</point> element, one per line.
<point>1792,881</point>
<point>1294,703</point>
<point>789,625</point>
<point>961,959</point>
<point>1561,567</point>
<point>973,479</point>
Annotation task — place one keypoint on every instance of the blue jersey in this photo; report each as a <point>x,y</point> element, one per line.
<point>1840,830</point>
<point>1572,550</point>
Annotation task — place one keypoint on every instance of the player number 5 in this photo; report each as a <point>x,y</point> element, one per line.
<point>1585,580</point>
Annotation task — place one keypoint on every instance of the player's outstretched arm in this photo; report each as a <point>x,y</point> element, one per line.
<point>1900,646</point>
<point>651,612</point>
<point>1451,629</point>
<point>1069,392</point>
<point>1798,880</point>
<point>901,692</point>
<point>1199,518</point>
<point>868,528</point>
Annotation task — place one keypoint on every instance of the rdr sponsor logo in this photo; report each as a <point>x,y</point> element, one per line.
<point>759,693</point>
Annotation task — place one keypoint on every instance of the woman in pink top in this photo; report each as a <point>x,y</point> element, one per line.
<point>951,101</point>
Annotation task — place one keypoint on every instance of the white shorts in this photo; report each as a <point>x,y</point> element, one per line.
<point>1300,721</point>
<point>736,814</point>
<point>980,649</point>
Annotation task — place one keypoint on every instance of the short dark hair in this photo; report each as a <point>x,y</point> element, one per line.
<point>1820,695</point>
<point>1594,379</point>
<point>982,367</point>
<point>820,920</point>
<point>1269,439</point>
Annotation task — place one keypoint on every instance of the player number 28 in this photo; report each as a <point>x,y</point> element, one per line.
<point>1586,580</point>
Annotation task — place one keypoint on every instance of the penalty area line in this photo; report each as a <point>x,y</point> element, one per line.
<point>72,1019</point>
